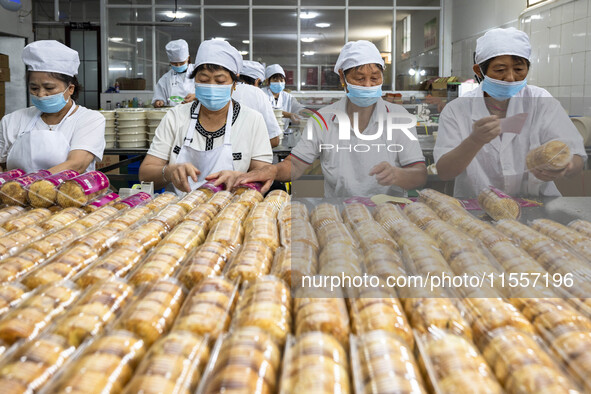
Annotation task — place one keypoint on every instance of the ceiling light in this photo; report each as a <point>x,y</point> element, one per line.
<point>115,39</point>
<point>308,39</point>
<point>309,53</point>
<point>308,15</point>
<point>412,72</point>
<point>139,39</point>
<point>323,25</point>
<point>117,68</point>
<point>243,53</point>
<point>177,15</point>
<point>219,38</point>
<point>422,73</point>
<point>228,24</point>
<point>246,41</point>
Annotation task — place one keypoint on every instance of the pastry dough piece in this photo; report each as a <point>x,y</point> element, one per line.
<point>11,293</point>
<point>28,218</point>
<point>209,260</point>
<point>208,308</point>
<point>10,212</point>
<point>132,216</point>
<point>356,213</point>
<point>370,234</point>
<point>203,213</point>
<point>105,366</point>
<point>323,214</point>
<point>116,263</point>
<point>161,200</point>
<point>147,235</point>
<point>293,262</point>
<point>426,313</point>
<point>292,210</point>
<point>170,215</point>
<point>579,242</point>
<point>227,232</point>
<point>174,364</point>
<point>298,230</point>
<point>89,315</point>
<point>534,378</point>
<point>387,364</point>
<point>266,304</point>
<point>340,259</point>
<point>101,239</point>
<point>252,261</point>
<point>249,197</point>
<point>382,261</point>
<point>14,241</point>
<point>193,199</point>
<point>28,319</point>
<point>387,314</point>
<point>553,155</point>
<point>278,198</point>
<point>328,315</point>
<point>388,216</point>
<point>188,234</point>
<point>335,233</point>
<point>16,266</point>
<point>420,214</point>
<point>234,211</point>
<point>263,210</point>
<point>582,226</point>
<point>160,264</point>
<point>497,207</point>
<point>62,219</point>
<point>154,311</point>
<point>221,199</point>
<point>59,240</point>
<point>433,198</point>
<point>263,230</point>
<point>99,216</point>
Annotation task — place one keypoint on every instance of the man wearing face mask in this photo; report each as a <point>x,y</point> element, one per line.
<point>350,171</point>
<point>175,86</point>
<point>213,138</point>
<point>55,134</point>
<point>278,97</point>
<point>472,146</point>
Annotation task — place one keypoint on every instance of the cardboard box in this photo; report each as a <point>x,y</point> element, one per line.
<point>439,92</point>
<point>441,83</point>
<point>107,161</point>
<point>4,74</point>
<point>578,186</point>
<point>132,83</point>
<point>3,61</point>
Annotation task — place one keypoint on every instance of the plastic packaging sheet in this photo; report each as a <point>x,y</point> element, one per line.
<point>293,262</point>
<point>170,215</point>
<point>248,198</point>
<point>193,199</point>
<point>328,315</point>
<point>134,200</point>
<point>14,191</point>
<point>354,214</point>
<point>232,211</point>
<point>202,213</point>
<point>553,155</point>
<point>221,199</point>
<point>79,191</point>
<point>253,260</point>
<point>102,201</point>
<point>292,210</point>
<point>323,214</point>
<point>227,232</point>
<point>577,241</point>
<point>277,197</point>
<point>262,230</point>
<point>43,192</point>
<point>11,294</point>
<point>498,205</point>
<point>161,263</point>
<point>208,260</point>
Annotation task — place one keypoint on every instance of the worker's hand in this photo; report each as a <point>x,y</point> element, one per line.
<point>547,175</point>
<point>485,130</point>
<point>179,175</point>
<point>225,177</point>
<point>295,118</point>
<point>385,173</point>
<point>158,104</point>
<point>266,175</point>
<point>189,98</point>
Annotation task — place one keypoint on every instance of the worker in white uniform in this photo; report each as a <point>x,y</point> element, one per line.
<point>54,134</point>
<point>278,97</point>
<point>356,166</point>
<point>213,138</point>
<point>175,86</point>
<point>471,145</point>
<point>253,97</point>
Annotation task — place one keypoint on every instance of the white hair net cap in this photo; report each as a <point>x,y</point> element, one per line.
<point>51,56</point>
<point>274,69</point>
<point>253,69</point>
<point>221,53</point>
<point>498,42</point>
<point>358,53</point>
<point>177,51</point>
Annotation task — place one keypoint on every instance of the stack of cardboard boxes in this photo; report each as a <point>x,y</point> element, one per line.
<point>4,77</point>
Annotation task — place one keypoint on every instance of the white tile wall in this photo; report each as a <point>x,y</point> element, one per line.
<point>560,34</point>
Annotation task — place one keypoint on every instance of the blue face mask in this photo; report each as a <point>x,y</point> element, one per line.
<point>502,90</point>
<point>213,97</point>
<point>277,87</point>
<point>180,69</point>
<point>363,96</point>
<point>50,104</point>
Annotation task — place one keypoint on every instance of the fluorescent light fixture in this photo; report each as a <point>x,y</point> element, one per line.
<point>219,38</point>
<point>323,25</point>
<point>553,46</point>
<point>246,41</point>
<point>308,39</point>
<point>309,53</point>
<point>177,15</point>
<point>308,15</point>
<point>422,73</point>
<point>115,39</point>
<point>228,24</point>
<point>139,39</point>
<point>243,53</point>
<point>412,72</point>
<point>152,24</point>
<point>117,68</point>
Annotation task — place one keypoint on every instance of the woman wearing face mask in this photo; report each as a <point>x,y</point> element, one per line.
<point>175,86</point>
<point>213,138</point>
<point>359,167</point>
<point>279,98</point>
<point>54,134</point>
<point>471,145</point>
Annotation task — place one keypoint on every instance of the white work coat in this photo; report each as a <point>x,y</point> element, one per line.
<point>253,97</point>
<point>174,84</point>
<point>346,164</point>
<point>501,162</point>
<point>285,102</point>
